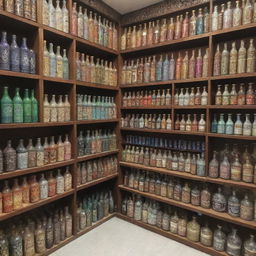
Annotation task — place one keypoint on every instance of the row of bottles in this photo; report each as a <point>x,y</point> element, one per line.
<point>15,58</point>
<point>56,16</point>
<point>180,66</point>
<point>230,95</point>
<point>96,141</point>
<point>185,123</point>
<point>147,98</point>
<point>232,61</point>
<point>175,161</point>
<point>33,189</point>
<point>93,28</point>
<point>96,169</point>
<point>101,72</point>
<point>147,121</point>
<point>23,8</point>
<point>187,192</point>
<point>55,64</point>
<point>183,97</point>
<point>17,109</point>
<point>56,112</point>
<point>93,207</point>
<point>238,127</point>
<point>235,164</point>
<point>166,218</point>
<point>35,233</point>
<point>155,32</point>
<point>151,141</point>
<point>233,14</point>
<point>91,107</point>
<point>34,156</point>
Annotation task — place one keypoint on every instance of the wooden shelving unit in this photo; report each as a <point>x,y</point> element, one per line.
<point>40,83</point>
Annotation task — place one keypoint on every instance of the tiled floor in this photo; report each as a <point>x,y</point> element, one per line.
<point>120,238</point>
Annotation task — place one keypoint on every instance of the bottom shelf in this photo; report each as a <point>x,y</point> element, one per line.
<point>172,236</point>
<point>70,239</point>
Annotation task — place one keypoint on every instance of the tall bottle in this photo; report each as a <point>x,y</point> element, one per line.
<point>24,56</point>
<point>4,52</point>
<point>6,107</point>
<point>27,107</point>
<point>15,55</point>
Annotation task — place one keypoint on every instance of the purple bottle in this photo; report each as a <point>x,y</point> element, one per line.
<point>24,56</point>
<point>32,62</point>
<point>15,55</point>
<point>4,52</point>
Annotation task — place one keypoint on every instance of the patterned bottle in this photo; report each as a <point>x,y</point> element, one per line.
<point>6,107</point>
<point>4,52</point>
<point>24,56</point>
<point>27,107</point>
<point>15,55</point>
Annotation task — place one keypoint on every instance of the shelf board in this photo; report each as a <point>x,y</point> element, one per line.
<point>58,32</point>
<point>17,173</point>
<point>232,106</point>
<point>198,209</point>
<point>96,46</point>
<point>18,18</point>
<point>235,76</point>
<point>191,107</point>
<point>164,131</point>
<point>57,246</point>
<point>147,107</point>
<point>32,206</point>
<point>181,41</point>
<point>189,176</point>
<point>172,236</point>
<point>58,80</point>
<point>96,224</point>
<point>33,125</point>
<point>226,136</point>
<point>18,74</point>
<point>97,86</point>
<point>98,121</point>
<point>97,181</point>
<point>96,155</point>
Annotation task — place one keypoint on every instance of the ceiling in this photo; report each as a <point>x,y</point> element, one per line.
<point>125,6</point>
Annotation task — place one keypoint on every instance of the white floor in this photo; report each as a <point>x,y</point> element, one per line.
<point>120,238</point>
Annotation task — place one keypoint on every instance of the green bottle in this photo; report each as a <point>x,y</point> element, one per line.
<point>34,107</point>
<point>27,108</point>
<point>17,107</point>
<point>6,108</point>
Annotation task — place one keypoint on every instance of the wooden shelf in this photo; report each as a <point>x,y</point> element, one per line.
<point>17,173</point>
<point>98,121</point>
<point>235,76</point>
<point>34,125</point>
<point>97,181</point>
<point>209,212</point>
<point>97,86</point>
<point>57,32</point>
<point>189,176</point>
<point>146,107</point>
<point>163,131</point>
<point>232,107</point>
<point>191,107</point>
<point>96,224</point>
<point>226,136</point>
<point>96,46</point>
<point>96,155</point>
<point>58,80</point>
<point>172,236</point>
<point>180,42</point>
<point>18,18</point>
<point>32,206</point>
<point>18,74</point>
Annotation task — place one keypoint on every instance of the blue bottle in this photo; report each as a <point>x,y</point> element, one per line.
<point>166,68</point>
<point>4,52</point>
<point>32,62</point>
<point>214,124</point>
<point>15,55</point>
<point>24,56</point>
<point>200,23</point>
<point>159,69</point>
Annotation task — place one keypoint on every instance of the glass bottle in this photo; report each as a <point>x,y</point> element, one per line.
<point>40,239</point>
<point>217,62</point>
<point>246,208</point>
<point>250,61</point>
<point>237,15</point>
<point>227,16</point>
<point>241,63</point>
<point>200,23</point>
<point>4,244</point>
<point>4,52</point>
<point>6,107</point>
<point>247,12</point>
<point>215,18</point>
<point>22,156</point>
<point>219,239</point>
<point>193,230</point>
<point>60,183</point>
<point>233,205</point>
<point>24,56</point>
<point>206,236</point>
<point>219,201</point>
<point>9,155</point>
<point>15,55</point>
<point>249,247</point>
<point>16,247</point>
<point>234,243</point>
<point>225,60</point>
<point>27,107</point>
<point>214,166</point>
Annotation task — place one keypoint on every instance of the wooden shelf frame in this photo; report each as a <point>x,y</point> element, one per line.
<point>73,85</point>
